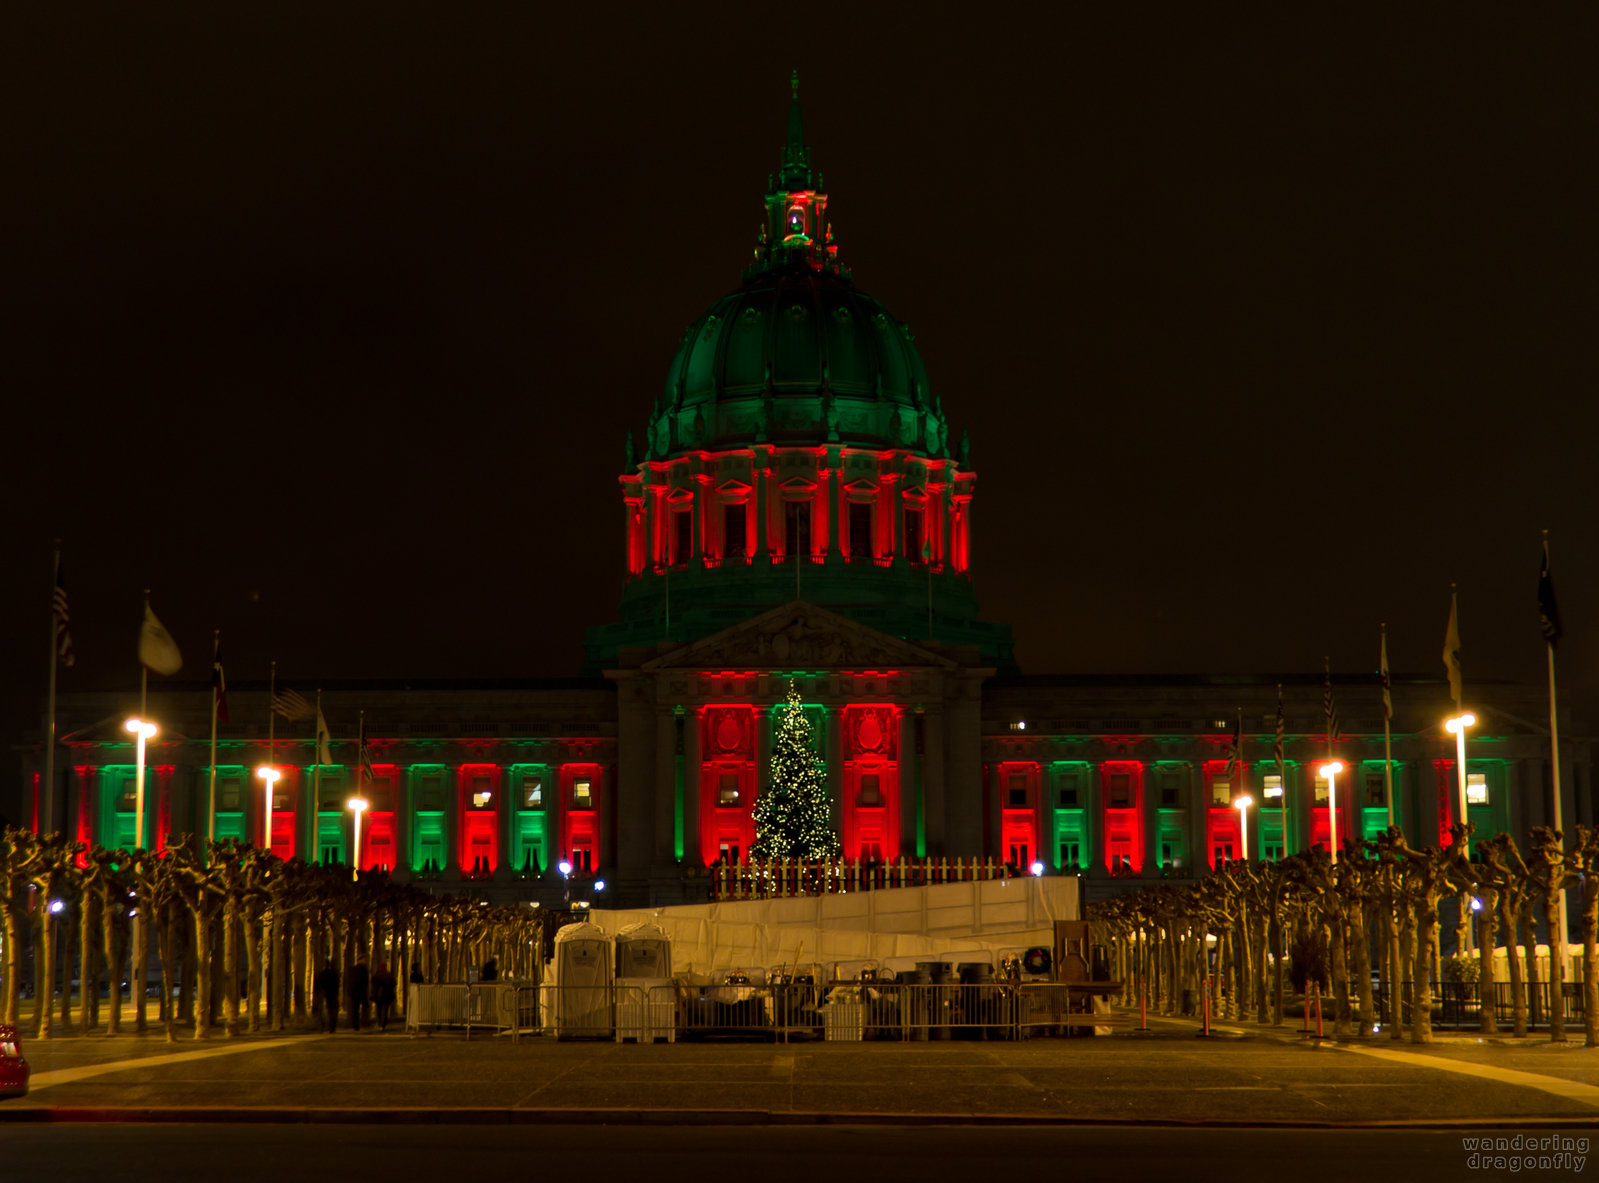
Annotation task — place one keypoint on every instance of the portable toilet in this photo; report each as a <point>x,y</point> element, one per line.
<point>646,997</point>
<point>582,983</point>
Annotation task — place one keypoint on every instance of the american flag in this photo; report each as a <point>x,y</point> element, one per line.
<point>365,757</point>
<point>1282,729</point>
<point>58,612</point>
<point>291,704</point>
<point>1328,707</point>
<point>1235,754</point>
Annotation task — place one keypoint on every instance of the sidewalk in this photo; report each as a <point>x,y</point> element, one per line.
<point>1246,1077</point>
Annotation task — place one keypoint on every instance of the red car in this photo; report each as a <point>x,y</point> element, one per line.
<point>13,1068</point>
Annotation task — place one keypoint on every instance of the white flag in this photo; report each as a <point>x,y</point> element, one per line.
<point>158,652</point>
<point>324,739</point>
<point>1452,651</point>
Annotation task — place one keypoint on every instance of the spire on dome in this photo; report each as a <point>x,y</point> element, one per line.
<point>796,171</point>
<point>797,230</point>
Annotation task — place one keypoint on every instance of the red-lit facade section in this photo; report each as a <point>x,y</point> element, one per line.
<point>870,789</point>
<point>581,786</point>
<point>765,504</point>
<point>727,782</point>
<point>478,788</point>
<point>1121,787</point>
<point>1018,784</point>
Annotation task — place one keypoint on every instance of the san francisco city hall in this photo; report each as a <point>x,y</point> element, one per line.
<point>796,512</point>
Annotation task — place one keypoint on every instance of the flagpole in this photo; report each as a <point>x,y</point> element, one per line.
<point>1332,783</point>
<point>1554,732</point>
<point>47,814</point>
<point>316,777</point>
<point>1387,731</point>
<point>144,701</point>
<point>211,789</point>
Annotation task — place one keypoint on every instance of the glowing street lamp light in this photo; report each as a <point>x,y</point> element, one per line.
<point>1242,805</point>
<point>358,806</point>
<point>271,776</point>
<point>142,731</point>
<point>1037,869</point>
<point>565,868</point>
<point>1330,770</point>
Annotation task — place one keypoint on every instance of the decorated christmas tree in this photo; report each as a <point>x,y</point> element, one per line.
<point>791,817</point>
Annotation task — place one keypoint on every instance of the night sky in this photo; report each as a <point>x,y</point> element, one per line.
<point>329,328</point>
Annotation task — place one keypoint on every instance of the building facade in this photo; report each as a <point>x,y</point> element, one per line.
<point>798,515</point>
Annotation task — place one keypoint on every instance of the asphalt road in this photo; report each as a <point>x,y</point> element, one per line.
<point>271,1154</point>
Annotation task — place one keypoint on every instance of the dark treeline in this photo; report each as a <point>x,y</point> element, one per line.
<point>235,914</point>
<point>1378,905</point>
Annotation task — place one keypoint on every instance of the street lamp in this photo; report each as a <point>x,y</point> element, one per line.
<point>565,868</point>
<point>1330,770</point>
<point>271,775</point>
<point>1242,804</point>
<point>141,731</point>
<point>1037,869</point>
<point>358,806</point>
<point>1457,727</point>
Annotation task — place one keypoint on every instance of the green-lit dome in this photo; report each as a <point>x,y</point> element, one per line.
<point>797,355</point>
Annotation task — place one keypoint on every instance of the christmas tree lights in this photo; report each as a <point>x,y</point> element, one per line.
<point>792,818</point>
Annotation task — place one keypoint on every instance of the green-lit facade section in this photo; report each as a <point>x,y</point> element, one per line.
<point>1069,786</point>
<point>428,788</point>
<point>531,787</point>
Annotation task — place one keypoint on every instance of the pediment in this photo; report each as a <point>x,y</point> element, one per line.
<point>803,636</point>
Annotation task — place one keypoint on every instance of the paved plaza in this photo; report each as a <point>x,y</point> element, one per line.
<point>1241,1076</point>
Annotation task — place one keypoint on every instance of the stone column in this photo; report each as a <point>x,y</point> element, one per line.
<point>450,787</point>
<point>941,835</point>
<point>835,768</point>
<point>693,854</point>
<point>834,551</point>
<point>505,867</point>
<point>909,782</point>
<point>1151,819</point>
<point>664,813</point>
<point>404,807</point>
<point>1094,814</point>
<point>1198,816</point>
<point>632,789</point>
<point>762,509</point>
<point>963,756</point>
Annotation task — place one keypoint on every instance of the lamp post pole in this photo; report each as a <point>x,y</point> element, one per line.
<point>1332,768</point>
<point>358,807</point>
<point>270,776</point>
<point>1243,803</point>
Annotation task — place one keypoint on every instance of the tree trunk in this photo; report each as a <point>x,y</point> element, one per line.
<point>1529,951</point>
<point>230,967</point>
<point>1421,995</point>
<point>199,956</point>
<point>1518,992</point>
<point>1404,975</point>
<point>87,973</point>
<point>13,923</point>
<point>1361,948</point>
<point>141,961</point>
<point>1590,962</point>
<point>253,928</point>
<point>167,946</point>
<point>1262,933</point>
<point>1487,922</point>
<point>1338,962</point>
<point>109,908</point>
<point>69,926</point>
<point>279,949</point>
<point>1556,925</point>
<point>44,971</point>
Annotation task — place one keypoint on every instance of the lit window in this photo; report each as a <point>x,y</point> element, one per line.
<point>1272,788</point>
<point>1171,791</point>
<point>480,799</point>
<point>533,794</point>
<point>1120,790</point>
<point>1068,790</point>
<point>1376,790</point>
<point>1016,794</point>
<point>1476,788</point>
<point>729,790</point>
<point>871,790</point>
<point>1321,789</point>
<point>227,797</point>
<point>1221,792</point>
<point>280,800</point>
<point>582,794</point>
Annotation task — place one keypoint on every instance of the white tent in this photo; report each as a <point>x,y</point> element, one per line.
<point>581,982</point>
